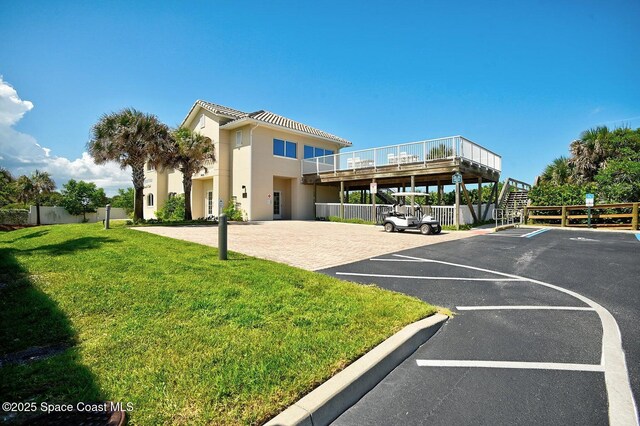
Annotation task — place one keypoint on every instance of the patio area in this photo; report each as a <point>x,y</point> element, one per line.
<point>308,245</point>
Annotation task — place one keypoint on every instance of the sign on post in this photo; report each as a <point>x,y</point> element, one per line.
<point>373,187</point>
<point>589,200</point>
<point>456,178</point>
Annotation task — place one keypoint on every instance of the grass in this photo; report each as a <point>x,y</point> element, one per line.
<point>164,325</point>
<point>355,220</point>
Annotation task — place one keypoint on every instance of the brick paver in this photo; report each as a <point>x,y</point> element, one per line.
<point>308,244</point>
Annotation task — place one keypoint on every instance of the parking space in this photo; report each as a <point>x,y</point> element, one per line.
<point>535,336</point>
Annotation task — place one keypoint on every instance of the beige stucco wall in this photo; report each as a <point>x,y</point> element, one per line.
<point>156,184</point>
<point>252,165</point>
<point>265,166</point>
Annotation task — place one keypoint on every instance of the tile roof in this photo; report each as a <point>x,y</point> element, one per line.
<point>269,118</point>
<point>221,109</point>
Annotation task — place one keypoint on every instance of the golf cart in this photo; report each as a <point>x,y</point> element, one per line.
<point>403,217</point>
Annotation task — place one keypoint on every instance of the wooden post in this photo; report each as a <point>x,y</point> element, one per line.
<point>563,220</point>
<point>524,215</point>
<point>315,200</point>
<point>341,199</point>
<point>413,199</point>
<point>494,190</point>
<point>440,191</point>
<point>479,198</point>
<point>634,216</point>
<point>468,198</point>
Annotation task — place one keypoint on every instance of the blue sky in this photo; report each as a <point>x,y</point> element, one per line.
<point>521,78</point>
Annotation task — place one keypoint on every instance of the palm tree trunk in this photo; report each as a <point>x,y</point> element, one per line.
<point>137,175</point>
<point>186,185</point>
<point>37,213</point>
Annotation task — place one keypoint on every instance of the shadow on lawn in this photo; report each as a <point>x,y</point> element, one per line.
<point>38,359</point>
<point>70,246</point>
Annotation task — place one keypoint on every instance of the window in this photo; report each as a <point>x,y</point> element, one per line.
<point>278,147</point>
<point>285,149</point>
<point>210,202</point>
<point>238,138</point>
<point>291,150</point>
<point>150,200</point>
<point>150,167</point>
<point>308,151</point>
<point>202,121</point>
<point>311,152</point>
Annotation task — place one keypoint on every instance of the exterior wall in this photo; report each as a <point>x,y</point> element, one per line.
<point>265,166</point>
<point>241,171</point>
<point>251,165</point>
<point>156,184</point>
<point>58,215</point>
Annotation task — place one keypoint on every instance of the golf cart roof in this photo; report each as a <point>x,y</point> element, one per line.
<point>407,194</point>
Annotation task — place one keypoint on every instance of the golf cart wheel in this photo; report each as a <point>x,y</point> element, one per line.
<point>388,227</point>
<point>437,229</point>
<point>426,229</point>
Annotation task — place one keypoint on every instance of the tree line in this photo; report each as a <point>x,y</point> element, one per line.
<point>603,162</point>
<point>39,189</point>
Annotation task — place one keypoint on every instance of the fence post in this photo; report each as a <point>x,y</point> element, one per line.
<point>563,220</point>
<point>524,215</point>
<point>341,199</point>
<point>634,216</point>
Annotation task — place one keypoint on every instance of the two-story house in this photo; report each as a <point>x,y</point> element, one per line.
<point>257,166</point>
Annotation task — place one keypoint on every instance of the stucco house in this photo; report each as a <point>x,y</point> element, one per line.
<point>258,163</point>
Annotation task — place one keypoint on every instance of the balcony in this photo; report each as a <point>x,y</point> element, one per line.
<point>398,156</point>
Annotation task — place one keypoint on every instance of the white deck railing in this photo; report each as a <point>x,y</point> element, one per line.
<point>444,214</point>
<point>407,153</point>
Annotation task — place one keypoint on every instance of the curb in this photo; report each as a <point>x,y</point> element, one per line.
<point>325,403</point>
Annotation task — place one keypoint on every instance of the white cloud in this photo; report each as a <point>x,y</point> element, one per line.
<point>21,153</point>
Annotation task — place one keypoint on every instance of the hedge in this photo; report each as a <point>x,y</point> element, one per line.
<point>14,217</point>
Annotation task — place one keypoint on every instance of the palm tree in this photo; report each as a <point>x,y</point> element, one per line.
<point>130,138</point>
<point>588,154</point>
<point>189,153</point>
<point>34,188</point>
<point>559,172</point>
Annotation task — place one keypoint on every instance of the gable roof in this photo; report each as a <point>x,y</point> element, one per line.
<point>238,117</point>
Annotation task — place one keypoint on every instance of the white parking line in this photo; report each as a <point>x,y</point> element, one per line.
<point>417,277</point>
<point>509,307</point>
<point>534,233</point>
<point>622,407</point>
<point>509,364</point>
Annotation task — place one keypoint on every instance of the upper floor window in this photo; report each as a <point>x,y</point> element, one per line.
<point>285,148</point>
<point>150,167</point>
<point>201,123</point>
<point>238,138</point>
<point>150,200</point>
<point>311,152</point>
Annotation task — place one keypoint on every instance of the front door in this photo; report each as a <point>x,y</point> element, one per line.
<point>277,205</point>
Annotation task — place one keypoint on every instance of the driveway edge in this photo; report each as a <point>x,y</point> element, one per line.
<point>325,403</point>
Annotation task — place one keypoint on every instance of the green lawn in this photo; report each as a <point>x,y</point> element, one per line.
<point>164,325</point>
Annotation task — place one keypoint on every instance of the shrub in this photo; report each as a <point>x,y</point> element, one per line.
<point>173,209</point>
<point>14,217</point>
<point>233,212</point>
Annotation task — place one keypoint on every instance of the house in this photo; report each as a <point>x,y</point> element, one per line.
<point>258,166</point>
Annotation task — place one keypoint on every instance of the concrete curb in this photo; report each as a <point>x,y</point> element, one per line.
<point>325,403</point>
<point>504,227</point>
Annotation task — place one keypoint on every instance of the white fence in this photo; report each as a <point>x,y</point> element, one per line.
<point>407,153</point>
<point>444,214</point>
<point>57,215</point>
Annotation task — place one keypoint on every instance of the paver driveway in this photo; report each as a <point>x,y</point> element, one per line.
<point>308,244</point>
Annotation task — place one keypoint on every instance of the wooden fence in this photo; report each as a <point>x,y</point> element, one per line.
<point>621,216</point>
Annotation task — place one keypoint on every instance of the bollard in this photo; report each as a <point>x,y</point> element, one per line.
<point>107,216</point>
<point>222,237</point>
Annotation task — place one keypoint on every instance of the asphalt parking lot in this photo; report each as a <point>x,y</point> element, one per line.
<point>535,338</point>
